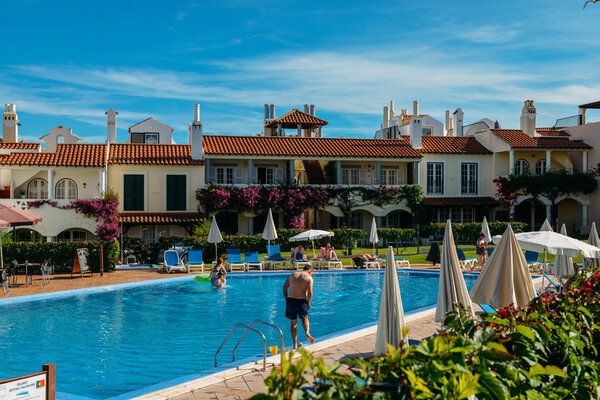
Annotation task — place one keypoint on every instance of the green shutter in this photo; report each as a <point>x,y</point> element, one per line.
<point>176,192</point>
<point>133,196</point>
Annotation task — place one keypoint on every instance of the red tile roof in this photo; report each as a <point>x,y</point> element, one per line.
<point>286,146</point>
<point>460,201</point>
<point>66,155</point>
<point>550,132</point>
<point>452,145</point>
<point>20,146</point>
<point>161,218</point>
<point>520,140</point>
<point>295,117</point>
<point>151,154</point>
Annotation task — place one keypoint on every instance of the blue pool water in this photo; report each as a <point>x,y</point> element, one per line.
<point>112,341</point>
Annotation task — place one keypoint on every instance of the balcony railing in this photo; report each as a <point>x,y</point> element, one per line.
<point>565,122</point>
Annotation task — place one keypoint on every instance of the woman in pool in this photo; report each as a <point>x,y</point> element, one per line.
<point>480,246</point>
<point>218,274</point>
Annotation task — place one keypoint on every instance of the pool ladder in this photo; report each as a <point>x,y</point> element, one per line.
<point>250,328</point>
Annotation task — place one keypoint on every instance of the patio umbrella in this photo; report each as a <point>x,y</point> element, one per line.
<point>563,265</point>
<point>312,235</point>
<point>391,314</point>
<point>11,217</point>
<point>485,229</point>
<point>546,227</point>
<point>214,235</point>
<point>452,284</point>
<point>269,233</point>
<point>374,238</point>
<point>594,241</point>
<point>505,278</point>
<point>555,243</point>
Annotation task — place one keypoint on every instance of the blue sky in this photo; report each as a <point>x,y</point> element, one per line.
<point>67,62</point>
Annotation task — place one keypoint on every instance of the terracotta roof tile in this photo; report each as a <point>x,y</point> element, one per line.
<point>151,154</point>
<point>520,140</point>
<point>165,218</point>
<point>460,201</point>
<point>66,155</point>
<point>296,117</point>
<point>20,146</point>
<point>452,145</point>
<point>285,146</point>
<point>405,119</point>
<point>551,132</point>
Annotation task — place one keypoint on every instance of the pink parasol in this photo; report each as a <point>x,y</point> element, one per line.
<point>11,217</point>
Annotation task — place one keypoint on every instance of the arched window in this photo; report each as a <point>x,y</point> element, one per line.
<point>37,189</point>
<point>66,189</point>
<point>540,167</point>
<point>521,167</point>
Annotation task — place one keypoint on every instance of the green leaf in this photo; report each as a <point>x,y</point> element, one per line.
<point>526,331</point>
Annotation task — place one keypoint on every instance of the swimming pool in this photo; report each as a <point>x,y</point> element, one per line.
<point>107,342</point>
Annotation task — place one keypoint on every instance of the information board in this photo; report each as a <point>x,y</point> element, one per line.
<point>28,387</point>
<point>80,263</point>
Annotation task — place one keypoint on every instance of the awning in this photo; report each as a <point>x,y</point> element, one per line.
<point>162,218</point>
<point>461,201</point>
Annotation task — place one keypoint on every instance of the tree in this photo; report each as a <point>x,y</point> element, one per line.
<point>551,185</point>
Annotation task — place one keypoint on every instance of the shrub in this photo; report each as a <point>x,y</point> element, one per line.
<point>470,231</point>
<point>347,237</point>
<point>548,350</point>
<point>62,254</point>
<point>396,235</point>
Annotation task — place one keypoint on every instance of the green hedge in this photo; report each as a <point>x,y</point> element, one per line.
<point>470,231</point>
<point>396,235</point>
<point>61,254</point>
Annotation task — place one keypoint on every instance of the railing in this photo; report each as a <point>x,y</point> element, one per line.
<point>247,328</point>
<point>250,327</point>
<point>565,122</point>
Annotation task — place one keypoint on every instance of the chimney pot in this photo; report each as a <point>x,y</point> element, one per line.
<point>272,111</point>
<point>266,111</point>
<point>196,112</point>
<point>415,108</point>
<point>312,109</point>
<point>306,110</point>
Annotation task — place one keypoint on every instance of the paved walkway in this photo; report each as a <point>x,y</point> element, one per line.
<point>247,385</point>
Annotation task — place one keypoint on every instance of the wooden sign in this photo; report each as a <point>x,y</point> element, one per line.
<point>80,263</point>
<point>36,386</point>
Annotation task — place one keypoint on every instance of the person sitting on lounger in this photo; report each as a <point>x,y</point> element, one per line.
<point>218,274</point>
<point>328,253</point>
<point>298,253</point>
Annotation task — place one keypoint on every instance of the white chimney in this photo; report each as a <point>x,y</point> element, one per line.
<point>111,125</point>
<point>306,110</point>
<point>416,132</point>
<point>10,124</point>
<point>448,124</point>
<point>415,108</point>
<point>392,112</point>
<point>272,111</point>
<point>386,117</point>
<point>404,111</point>
<point>458,122</point>
<point>195,135</point>
<point>266,111</point>
<point>528,117</point>
<point>312,109</point>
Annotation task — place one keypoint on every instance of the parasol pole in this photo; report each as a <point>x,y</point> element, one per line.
<point>216,253</point>
<point>313,246</point>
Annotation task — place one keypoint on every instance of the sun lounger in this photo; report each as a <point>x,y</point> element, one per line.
<point>299,260</point>
<point>488,309</point>
<point>402,262</point>
<point>532,259</point>
<point>234,257</point>
<point>464,261</point>
<point>4,278</point>
<point>173,262</point>
<point>195,259</point>
<point>252,259</point>
<point>557,288</point>
<point>274,255</point>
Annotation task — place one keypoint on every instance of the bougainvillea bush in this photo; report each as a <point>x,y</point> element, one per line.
<point>104,211</point>
<point>548,350</point>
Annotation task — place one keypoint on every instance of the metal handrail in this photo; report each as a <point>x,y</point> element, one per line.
<point>250,327</point>
<point>247,328</point>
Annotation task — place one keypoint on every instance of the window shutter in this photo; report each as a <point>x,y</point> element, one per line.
<point>254,175</point>
<point>238,175</point>
<point>278,178</point>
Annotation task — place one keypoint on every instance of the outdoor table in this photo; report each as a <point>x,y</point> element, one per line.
<point>27,266</point>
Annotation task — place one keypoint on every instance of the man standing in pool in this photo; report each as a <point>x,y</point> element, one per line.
<point>297,301</point>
